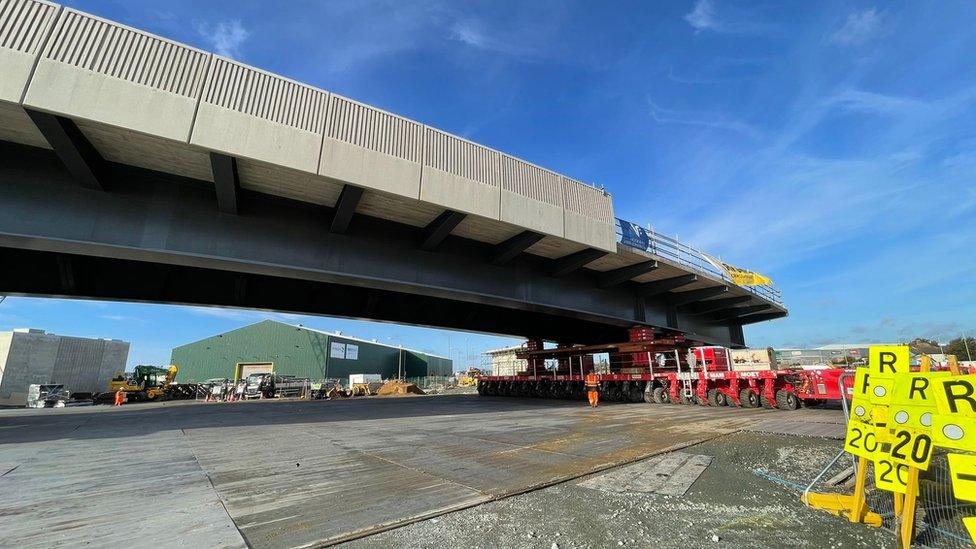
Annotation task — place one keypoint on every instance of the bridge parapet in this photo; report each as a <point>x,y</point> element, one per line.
<point>73,64</point>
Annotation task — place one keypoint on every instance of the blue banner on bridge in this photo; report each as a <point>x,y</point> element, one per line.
<point>633,235</point>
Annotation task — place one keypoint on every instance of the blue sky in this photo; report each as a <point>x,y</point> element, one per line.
<point>830,145</point>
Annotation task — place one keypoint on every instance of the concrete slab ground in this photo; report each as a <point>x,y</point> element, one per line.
<point>294,473</point>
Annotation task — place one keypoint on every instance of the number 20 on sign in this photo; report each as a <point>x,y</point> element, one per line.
<point>861,440</point>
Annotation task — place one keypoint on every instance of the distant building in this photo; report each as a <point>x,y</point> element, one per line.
<point>837,354</point>
<point>271,346</point>
<point>505,363</point>
<point>83,365</point>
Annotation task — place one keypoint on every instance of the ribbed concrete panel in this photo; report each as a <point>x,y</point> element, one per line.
<point>371,148</point>
<point>254,114</point>
<point>589,215</point>
<point>102,71</point>
<point>24,24</point>
<point>532,197</point>
<point>460,175</point>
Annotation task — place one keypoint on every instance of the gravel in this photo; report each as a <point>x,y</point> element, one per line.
<point>747,497</point>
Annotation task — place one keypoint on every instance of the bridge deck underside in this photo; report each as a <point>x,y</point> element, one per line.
<point>158,237</point>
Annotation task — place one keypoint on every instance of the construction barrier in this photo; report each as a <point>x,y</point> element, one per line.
<point>917,431</point>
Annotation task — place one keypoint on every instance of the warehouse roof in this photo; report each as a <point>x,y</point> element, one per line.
<point>503,350</point>
<point>370,341</point>
<point>323,332</point>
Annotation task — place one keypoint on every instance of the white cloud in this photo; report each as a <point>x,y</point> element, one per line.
<point>702,17</point>
<point>226,37</point>
<point>465,33</point>
<point>864,101</point>
<point>704,119</point>
<point>122,318</point>
<point>245,315</point>
<point>860,27</point>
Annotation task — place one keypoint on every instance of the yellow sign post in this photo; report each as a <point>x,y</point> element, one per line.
<point>897,418</point>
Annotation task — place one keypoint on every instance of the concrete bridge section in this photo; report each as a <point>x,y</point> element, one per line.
<point>142,169</point>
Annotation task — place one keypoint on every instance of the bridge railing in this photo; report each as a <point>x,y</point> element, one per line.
<point>670,248</point>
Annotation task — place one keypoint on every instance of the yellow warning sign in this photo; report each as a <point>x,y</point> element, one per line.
<point>861,409</point>
<point>861,406</point>
<point>862,383</point>
<point>861,440</point>
<point>884,361</point>
<point>911,448</point>
<point>970,523</point>
<point>916,388</point>
<point>962,468</point>
<point>890,476</point>
<point>881,389</point>
<point>918,418</point>
<point>954,431</point>
<point>913,400</point>
<point>956,395</point>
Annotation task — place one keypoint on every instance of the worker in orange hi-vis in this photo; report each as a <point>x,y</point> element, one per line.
<point>593,389</point>
<point>119,397</point>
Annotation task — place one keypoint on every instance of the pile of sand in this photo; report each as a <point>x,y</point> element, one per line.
<point>397,387</point>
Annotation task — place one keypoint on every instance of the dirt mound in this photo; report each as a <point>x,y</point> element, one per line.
<point>399,388</point>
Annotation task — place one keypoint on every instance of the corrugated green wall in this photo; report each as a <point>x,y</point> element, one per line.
<point>373,359</point>
<point>296,351</point>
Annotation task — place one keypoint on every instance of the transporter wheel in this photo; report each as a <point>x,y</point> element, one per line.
<point>611,391</point>
<point>721,399</point>
<point>482,389</point>
<point>749,398</point>
<point>766,403</point>
<point>660,395</point>
<point>712,395</point>
<point>786,400</point>
<point>649,394</point>
<point>636,392</point>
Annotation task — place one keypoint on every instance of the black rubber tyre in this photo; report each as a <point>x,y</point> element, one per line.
<point>483,389</point>
<point>649,394</point>
<point>766,403</point>
<point>636,392</point>
<point>749,398</point>
<point>787,400</point>
<point>721,399</point>
<point>660,396</point>
<point>610,392</point>
<point>711,395</point>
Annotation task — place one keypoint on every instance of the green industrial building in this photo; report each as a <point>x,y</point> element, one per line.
<point>299,351</point>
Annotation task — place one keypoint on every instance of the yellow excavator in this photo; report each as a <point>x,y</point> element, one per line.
<point>142,383</point>
<point>469,378</point>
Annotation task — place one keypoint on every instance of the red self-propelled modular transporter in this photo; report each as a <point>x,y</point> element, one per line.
<point>662,367</point>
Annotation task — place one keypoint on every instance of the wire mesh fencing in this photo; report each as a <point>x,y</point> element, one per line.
<point>939,513</point>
